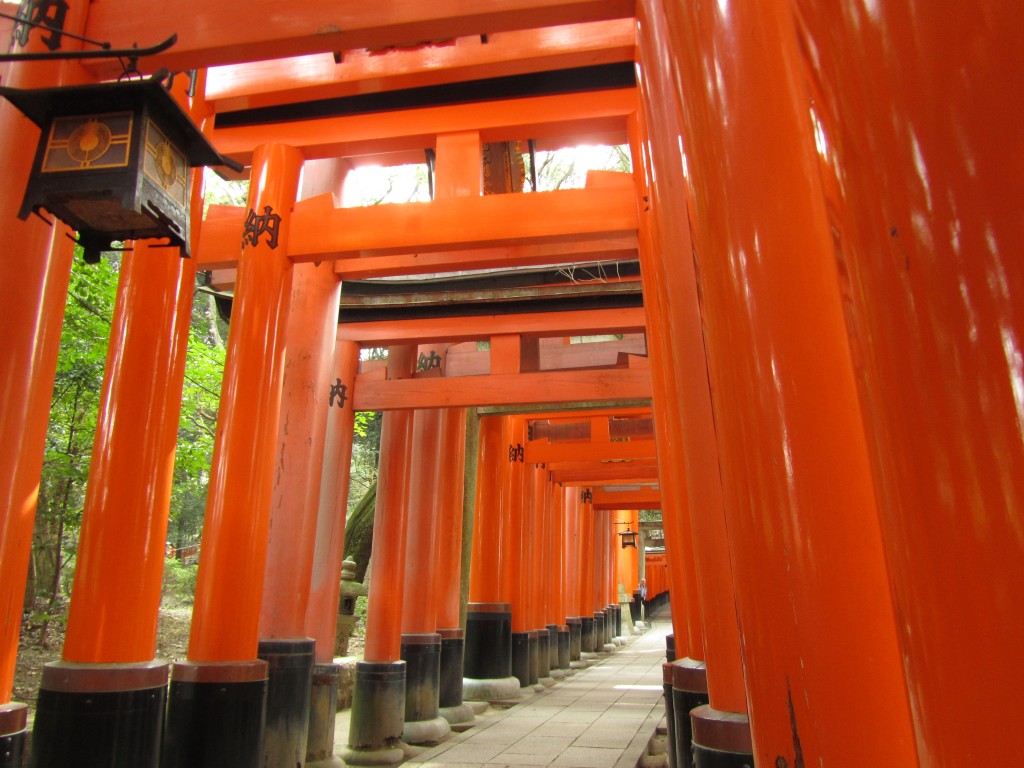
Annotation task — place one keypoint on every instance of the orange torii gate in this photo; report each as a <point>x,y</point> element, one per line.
<point>826,216</point>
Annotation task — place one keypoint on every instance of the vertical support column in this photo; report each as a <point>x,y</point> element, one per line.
<point>378,699</point>
<point>106,697</point>
<point>488,657</point>
<point>217,698</point>
<point>540,566</point>
<point>588,639</point>
<point>448,556</point>
<point>514,579</point>
<point>556,579</point>
<point>40,257</point>
<point>421,644</point>
<point>310,334</point>
<point>770,332</point>
<point>325,585</point>
<point>925,215</point>
<point>673,300</point>
<point>572,573</point>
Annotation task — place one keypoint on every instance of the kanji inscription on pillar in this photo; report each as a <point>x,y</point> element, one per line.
<point>516,453</point>
<point>268,223</point>
<point>40,14</point>
<point>428,363</point>
<point>339,391</point>
<point>586,496</point>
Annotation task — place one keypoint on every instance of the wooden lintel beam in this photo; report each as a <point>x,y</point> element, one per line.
<point>456,329</point>
<point>585,251</point>
<point>604,474</point>
<point>538,117</point>
<point>544,451</point>
<point>319,76</point>
<point>321,232</point>
<point>372,394</point>
<point>216,33</point>
<point>634,500</point>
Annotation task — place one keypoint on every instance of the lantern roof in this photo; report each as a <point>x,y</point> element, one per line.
<point>40,105</point>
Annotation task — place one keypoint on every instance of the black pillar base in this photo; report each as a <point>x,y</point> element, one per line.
<point>634,607</point>
<point>689,691</point>
<point>670,722</point>
<point>378,708</point>
<point>670,647</point>
<point>588,640</point>
<point>564,647</point>
<point>599,633</point>
<point>13,735</point>
<point>543,653</point>
<point>553,647</point>
<point>289,681</point>
<point>110,713</point>
<point>575,624</point>
<point>453,645</point>
<point>721,739</point>
<point>422,656</point>
<point>323,710</point>
<point>617,612</point>
<point>488,649</point>
<point>534,652</point>
<point>215,715</point>
<point>521,658</point>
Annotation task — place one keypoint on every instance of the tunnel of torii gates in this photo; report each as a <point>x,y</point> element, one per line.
<point>813,280</point>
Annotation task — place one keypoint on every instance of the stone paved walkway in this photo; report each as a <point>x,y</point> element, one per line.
<point>601,717</point>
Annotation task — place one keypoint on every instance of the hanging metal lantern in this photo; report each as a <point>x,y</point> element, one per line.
<point>628,538</point>
<point>112,161</point>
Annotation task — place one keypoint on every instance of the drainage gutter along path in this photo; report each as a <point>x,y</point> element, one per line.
<point>601,717</point>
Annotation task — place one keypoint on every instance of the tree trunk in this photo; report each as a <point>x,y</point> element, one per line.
<point>359,532</point>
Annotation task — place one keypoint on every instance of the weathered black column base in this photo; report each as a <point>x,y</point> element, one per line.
<point>533,650</point>
<point>634,607</point>
<point>488,647</point>
<point>323,709</point>
<point>544,657</point>
<point>721,739</point>
<point>289,681</point>
<point>521,658</point>
<point>564,646</point>
<point>599,632</point>
<point>13,734</point>
<point>618,619</point>
<point>553,647</point>
<point>215,714</point>
<point>670,648</point>
<point>666,686</point>
<point>689,690</point>
<point>111,714</point>
<point>453,645</point>
<point>575,624</point>
<point>422,656</point>
<point>423,723</point>
<point>587,635</point>
<point>378,714</point>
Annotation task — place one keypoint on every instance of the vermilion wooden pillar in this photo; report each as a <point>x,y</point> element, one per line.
<point>378,702</point>
<point>541,587</point>
<point>448,550</point>
<point>918,149</point>
<point>556,578</point>
<point>421,644</point>
<point>672,296</point>
<point>572,575</point>
<point>215,709</point>
<point>33,304</point>
<point>325,585</point>
<point>799,497</point>
<point>124,528</point>
<point>514,580</point>
<point>586,548</point>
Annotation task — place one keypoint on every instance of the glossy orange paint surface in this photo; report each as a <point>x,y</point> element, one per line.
<point>626,565</point>
<point>124,519</point>
<point>665,382</point>
<point>386,595</point>
<point>325,586</point>
<point>448,542</point>
<point>306,399</point>
<point>817,628</point>
<point>570,571</point>
<point>488,525</point>
<point>40,257</point>
<point>586,547</point>
<point>420,598</point>
<point>924,191</point>
<point>225,622</point>
<point>672,295</point>
<point>516,497</point>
